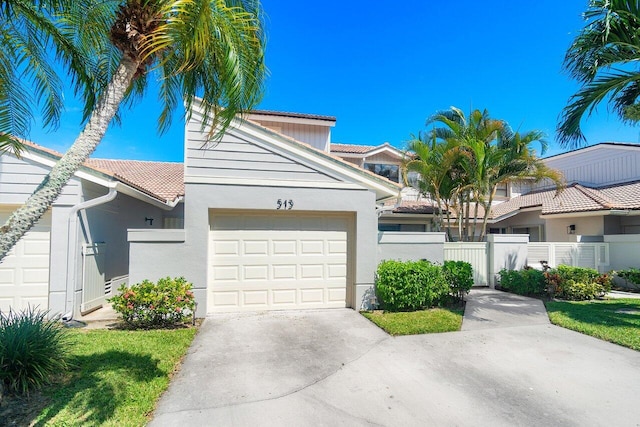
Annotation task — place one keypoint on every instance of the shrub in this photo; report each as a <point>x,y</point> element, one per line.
<point>632,275</point>
<point>527,281</point>
<point>411,285</point>
<point>32,350</point>
<point>147,305</point>
<point>577,283</point>
<point>459,274</point>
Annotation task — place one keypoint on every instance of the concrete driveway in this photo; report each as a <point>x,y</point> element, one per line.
<point>333,367</point>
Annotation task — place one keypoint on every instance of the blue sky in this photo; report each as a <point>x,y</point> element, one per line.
<point>381,68</point>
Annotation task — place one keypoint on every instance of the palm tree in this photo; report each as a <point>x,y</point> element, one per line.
<point>601,58</point>
<point>513,159</point>
<point>27,32</point>
<point>467,158</point>
<point>432,162</point>
<point>208,52</point>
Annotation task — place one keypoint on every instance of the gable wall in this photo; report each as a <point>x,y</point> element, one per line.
<point>20,177</point>
<point>237,157</point>
<point>600,166</point>
<point>383,158</point>
<point>316,136</point>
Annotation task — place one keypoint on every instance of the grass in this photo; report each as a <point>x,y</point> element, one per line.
<point>615,320</point>
<point>116,377</point>
<point>417,322</point>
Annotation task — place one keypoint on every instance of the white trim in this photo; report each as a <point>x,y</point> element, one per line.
<point>155,235</point>
<point>285,119</point>
<point>602,145</point>
<point>576,214</point>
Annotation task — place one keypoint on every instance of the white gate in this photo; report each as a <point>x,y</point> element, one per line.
<point>590,255</point>
<point>474,253</point>
<point>93,277</point>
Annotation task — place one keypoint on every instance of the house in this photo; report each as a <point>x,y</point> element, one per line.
<point>79,246</point>
<point>263,219</point>
<point>408,212</point>
<point>602,197</point>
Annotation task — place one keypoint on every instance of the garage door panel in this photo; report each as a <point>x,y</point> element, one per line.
<point>226,247</point>
<point>287,262</point>
<point>24,272</point>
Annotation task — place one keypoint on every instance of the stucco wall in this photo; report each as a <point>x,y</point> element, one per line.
<point>201,198</point>
<point>585,226</point>
<point>507,251</point>
<point>624,251</point>
<point>404,246</point>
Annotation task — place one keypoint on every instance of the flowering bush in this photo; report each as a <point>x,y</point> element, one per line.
<point>147,304</point>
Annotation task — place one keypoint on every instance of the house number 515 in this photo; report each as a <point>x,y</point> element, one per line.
<point>284,204</point>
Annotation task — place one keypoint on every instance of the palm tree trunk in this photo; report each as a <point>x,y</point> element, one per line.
<point>487,211</point>
<point>475,218</point>
<point>48,191</point>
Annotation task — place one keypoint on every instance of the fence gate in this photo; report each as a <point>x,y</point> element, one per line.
<point>93,276</point>
<point>591,255</point>
<point>474,253</point>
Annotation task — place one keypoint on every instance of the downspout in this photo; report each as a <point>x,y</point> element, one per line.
<point>72,238</point>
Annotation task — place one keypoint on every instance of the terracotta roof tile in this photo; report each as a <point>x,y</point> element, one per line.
<point>351,149</point>
<point>575,198</point>
<point>163,180</point>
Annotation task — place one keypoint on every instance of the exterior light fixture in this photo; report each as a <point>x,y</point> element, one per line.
<point>571,229</point>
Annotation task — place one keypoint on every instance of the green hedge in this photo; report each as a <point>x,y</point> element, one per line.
<point>565,282</point>
<point>523,282</point>
<point>414,285</point>
<point>459,274</point>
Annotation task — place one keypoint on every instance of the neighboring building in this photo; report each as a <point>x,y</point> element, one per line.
<point>602,197</point>
<point>408,212</point>
<point>80,245</point>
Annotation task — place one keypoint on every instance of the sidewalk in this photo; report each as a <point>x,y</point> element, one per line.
<point>488,309</point>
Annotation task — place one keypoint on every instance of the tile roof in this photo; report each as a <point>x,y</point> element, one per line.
<point>293,115</point>
<point>351,148</point>
<point>575,198</point>
<point>161,180</point>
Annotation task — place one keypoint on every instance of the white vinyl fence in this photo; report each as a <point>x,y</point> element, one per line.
<point>591,255</point>
<point>93,286</point>
<point>475,253</point>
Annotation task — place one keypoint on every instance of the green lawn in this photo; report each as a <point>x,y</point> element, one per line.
<point>116,378</point>
<point>615,320</point>
<point>417,322</point>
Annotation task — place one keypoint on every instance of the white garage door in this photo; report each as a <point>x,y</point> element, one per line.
<point>277,262</point>
<point>24,272</point>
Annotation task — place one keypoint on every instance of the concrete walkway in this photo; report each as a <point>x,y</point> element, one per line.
<point>488,309</point>
<point>507,367</point>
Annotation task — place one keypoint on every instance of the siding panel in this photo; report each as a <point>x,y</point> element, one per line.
<point>234,157</point>
<point>600,166</point>
<point>20,177</point>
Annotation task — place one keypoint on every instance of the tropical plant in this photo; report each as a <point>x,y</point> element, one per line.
<point>147,304</point>
<point>32,350</point>
<point>602,58</point>
<point>462,161</point>
<point>28,31</point>
<point>203,53</point>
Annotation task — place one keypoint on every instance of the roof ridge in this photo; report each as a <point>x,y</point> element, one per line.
<point>596,196</point>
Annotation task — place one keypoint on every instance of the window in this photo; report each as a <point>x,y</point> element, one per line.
<point>388,227</point>
<point>391,172</point>
<point>501,190</point>
<point>413,178</point>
